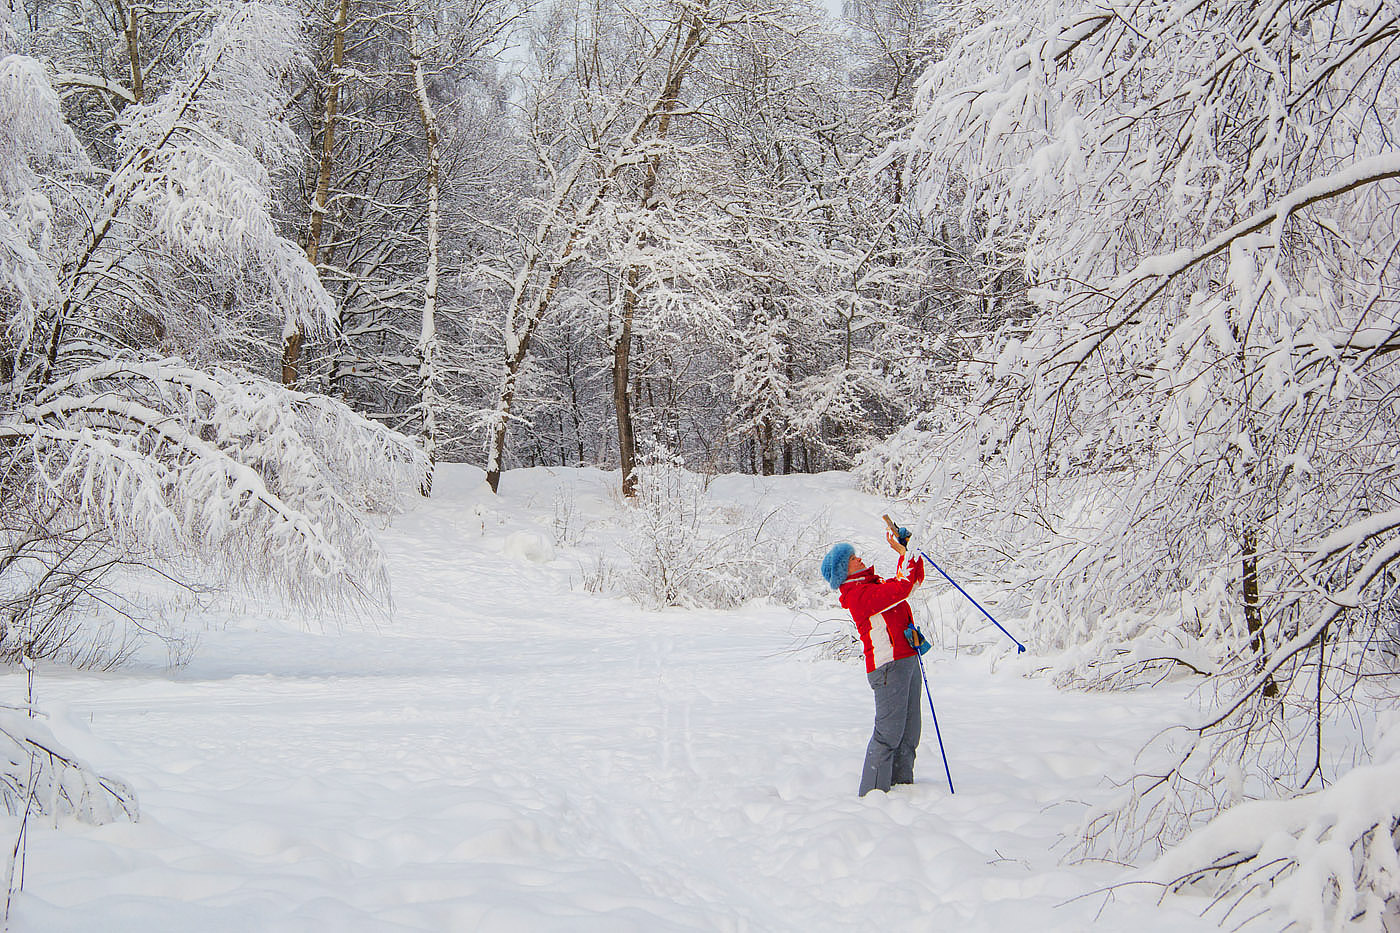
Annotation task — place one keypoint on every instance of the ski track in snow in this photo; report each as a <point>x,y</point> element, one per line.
<point>511,754</point>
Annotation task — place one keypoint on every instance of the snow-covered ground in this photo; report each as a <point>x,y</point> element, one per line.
<point>511,752</point>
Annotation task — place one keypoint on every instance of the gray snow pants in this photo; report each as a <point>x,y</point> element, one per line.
<point>889,758</point>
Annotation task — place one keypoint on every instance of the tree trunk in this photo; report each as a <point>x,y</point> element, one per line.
<point>622,356</point>
<point>118,188</point>
<point>291,334</point>
<point>622,349</point>
<point>764,439</point>
<point>131,29</point>
<point>1249,533</point>
<point>497,448</point>
<point>427,340</point>
<point>1253,615</point>
<point>575,414</point>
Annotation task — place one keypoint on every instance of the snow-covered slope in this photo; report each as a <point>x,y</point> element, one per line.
<point>511,752</point>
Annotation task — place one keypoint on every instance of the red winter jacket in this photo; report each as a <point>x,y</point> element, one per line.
<point>881,612</point>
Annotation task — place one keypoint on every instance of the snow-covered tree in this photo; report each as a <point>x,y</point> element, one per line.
<point>755,203</point>
<point>832,271</point>
<point>178,229</point>
<point>1205,196</point>
<point>116,455</point>
<point>586,145</point>
<point>367,202</point>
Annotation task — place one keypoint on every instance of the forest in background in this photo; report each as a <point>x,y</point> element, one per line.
<point>540,234</point>
<point>1105,292</point>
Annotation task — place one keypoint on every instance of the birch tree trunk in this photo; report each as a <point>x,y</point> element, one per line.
<point>292,333</point>
<point>131,30</point>
<point>427,340</point>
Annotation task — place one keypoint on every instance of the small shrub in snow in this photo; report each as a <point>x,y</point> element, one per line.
<point>152,461</point>
<point>686,549</point>
<point>601,575</point>
<point>834,639</point>
<point>565,522</point>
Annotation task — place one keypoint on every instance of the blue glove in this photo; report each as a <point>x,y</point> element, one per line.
<point>916,640</point>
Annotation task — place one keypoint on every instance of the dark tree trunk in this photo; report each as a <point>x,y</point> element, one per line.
<point>292,341</point>
<point>1253,616</point>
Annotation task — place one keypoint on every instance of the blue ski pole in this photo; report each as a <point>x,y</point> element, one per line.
<point>936,731</point>
<point>1019,647</point>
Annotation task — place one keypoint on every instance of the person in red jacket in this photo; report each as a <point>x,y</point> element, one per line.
<point>880,609</point>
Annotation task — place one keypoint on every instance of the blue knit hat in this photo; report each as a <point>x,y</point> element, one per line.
<point>837,563</point>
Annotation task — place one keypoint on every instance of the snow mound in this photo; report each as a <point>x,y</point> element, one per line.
<point>529,546</point>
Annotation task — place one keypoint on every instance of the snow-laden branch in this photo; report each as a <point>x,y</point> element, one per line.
<point>1370,171</point>
<point>1354,535</point>
<point>45,779</point>
<point>223,468</point>
<point>93,82</point>
<point>1327,860</point>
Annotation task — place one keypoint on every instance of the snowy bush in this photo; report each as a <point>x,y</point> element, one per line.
<point>39,777</point>
<point>686,549</point>
<point>153,462</point>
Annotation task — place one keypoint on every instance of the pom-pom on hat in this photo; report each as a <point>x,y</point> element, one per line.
<point>837,563</point>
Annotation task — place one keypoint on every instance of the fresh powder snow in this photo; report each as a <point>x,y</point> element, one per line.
<point>510,751</point>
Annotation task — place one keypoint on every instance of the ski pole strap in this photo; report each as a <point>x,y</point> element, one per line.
<point>924,554</point>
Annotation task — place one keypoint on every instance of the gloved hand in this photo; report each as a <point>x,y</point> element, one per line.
<point>916,640</point>
<point>898,533</point>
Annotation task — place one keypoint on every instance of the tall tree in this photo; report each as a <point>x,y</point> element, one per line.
<point>406,197</point>
<point>427,340</point>
<point>627,110</point>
